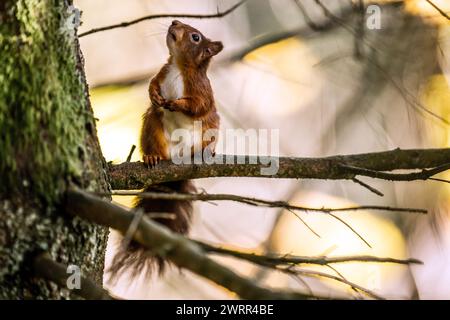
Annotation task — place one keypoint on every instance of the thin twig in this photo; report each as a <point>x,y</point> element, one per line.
<point>442,12</point>
<point>164,15</point>
<point>133,147</point>
<point>360,28</point>
<point>283,259</point>
<point>370,188</point>
<point>335,278</point>
<point>439,180</point>
<point>252,201</point>
<point>304,223</point>
<point>351,229</point>
<point>266,39</point>
<point>424,174</point>
<point>407,96</point>
<point>302,281</point>
<point>342,277</point>
<point>161,215</point>
<point>327,12</point>
<point>132,228</point>
<point>314,26</point>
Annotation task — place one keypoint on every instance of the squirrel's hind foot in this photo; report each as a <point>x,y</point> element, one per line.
<point>151,161</point>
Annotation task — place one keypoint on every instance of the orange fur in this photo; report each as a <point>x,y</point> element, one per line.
<point>192,58</point>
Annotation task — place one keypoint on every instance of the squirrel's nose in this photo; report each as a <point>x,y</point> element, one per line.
<point>175,22</point>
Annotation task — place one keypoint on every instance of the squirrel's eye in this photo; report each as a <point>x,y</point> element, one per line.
<point>195,37</point>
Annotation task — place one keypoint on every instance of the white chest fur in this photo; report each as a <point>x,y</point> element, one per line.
<point>176,124</point>
<point>172,86</point>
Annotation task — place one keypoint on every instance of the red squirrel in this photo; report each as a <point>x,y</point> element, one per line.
<point>180,94</point>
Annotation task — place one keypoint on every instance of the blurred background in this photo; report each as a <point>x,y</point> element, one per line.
<point>331,86</point>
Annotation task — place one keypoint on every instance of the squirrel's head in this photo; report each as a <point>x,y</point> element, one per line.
<point>187,44</point>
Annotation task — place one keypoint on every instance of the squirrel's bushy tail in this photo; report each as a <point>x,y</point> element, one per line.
<point>136,259</point>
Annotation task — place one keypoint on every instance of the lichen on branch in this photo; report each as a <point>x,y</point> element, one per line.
<point>134,175</point>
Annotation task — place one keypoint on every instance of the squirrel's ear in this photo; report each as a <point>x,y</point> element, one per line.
<point>213,48</point>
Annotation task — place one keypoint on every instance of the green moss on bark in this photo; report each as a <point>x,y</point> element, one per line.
<point>41,109</point>
<point>47,141</point>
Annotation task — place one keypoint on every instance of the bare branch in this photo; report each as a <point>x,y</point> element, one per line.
<point>45,267</point>
<point>139,213</point>
<point>440,180</point>
<point>174,247</point>
<point>442,12</point>
<point>283,259</point>
<point>286,263</point>
<point>407,96</point>
<point>359,30</point>
<point>135,175</point>
<point>424,174</point>
<point>133,147</point>
<point>327,12</point>
<point>304,223</point>
<point>368,187</point>
<point>341,276</point>
<point>164,15</point>
<point>252,201</point>
<point>351,229</point>
<point>311,273</point>
<point>261,41</point>
<point>263,203</point>
<point>312,28</point>
<point>311,24</point>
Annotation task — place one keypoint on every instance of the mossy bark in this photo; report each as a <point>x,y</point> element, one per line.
<point>48,142</point>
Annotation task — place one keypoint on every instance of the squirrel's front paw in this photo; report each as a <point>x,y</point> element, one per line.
<point>151,160</point>
<point>168,105</point>
<point>157,99</point>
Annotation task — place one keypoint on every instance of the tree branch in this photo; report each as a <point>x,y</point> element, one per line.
<point>219,14</point>
<point>133,147</point>
<point>45,267</point>
<point>174,247</point>
<point>252,201</point>
<point>445,15</point>
<point>263,40</point>
<point>283,259</point>
<point>340,278</point>
<point>368,187</point>
<point>424,174</point>
<point>135,175</point>
<point>311,24</point>
<point>312,28</point>
<point>286,263</point>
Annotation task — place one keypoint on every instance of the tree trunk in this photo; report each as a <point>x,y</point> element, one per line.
<point>48,142</point>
